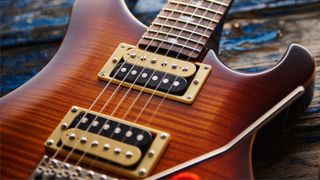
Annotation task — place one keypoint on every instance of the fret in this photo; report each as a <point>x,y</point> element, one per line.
<point>191,14</point>
<point>175,35</point>
<point>180,29</point>
<point>218,2</point>
<point>187,22</point>
<point>174,43</point>
<point>196,6</point>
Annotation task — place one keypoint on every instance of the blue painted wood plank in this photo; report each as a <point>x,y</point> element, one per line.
<point>22,20</point>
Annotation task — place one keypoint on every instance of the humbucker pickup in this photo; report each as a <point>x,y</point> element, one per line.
<point>155,73</point>
<point>161,81</point>
<point>102,139</point>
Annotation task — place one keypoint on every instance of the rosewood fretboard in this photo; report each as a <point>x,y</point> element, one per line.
<point>183,27</point>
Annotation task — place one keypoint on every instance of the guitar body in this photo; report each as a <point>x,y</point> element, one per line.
<point>228,103</point>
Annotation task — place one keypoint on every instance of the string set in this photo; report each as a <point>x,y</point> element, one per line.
<point>129,89</point>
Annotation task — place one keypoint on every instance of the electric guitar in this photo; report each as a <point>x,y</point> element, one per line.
<point>121,100</point>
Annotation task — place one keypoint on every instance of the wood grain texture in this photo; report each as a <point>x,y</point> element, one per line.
<point>227,104</point>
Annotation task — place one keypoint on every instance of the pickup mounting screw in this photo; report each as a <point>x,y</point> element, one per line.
<point>72,136</point>
<point>174,66</point>
<point>114,60</point>
<point>164,136</point>
<point>102,74</point>
<point>54,163</point>
<point>90,174</point>
<point>103,177</point>
<point>73,176</point>
<point>206,67</point>
<point>153,60</point>
<point>50,142</point>
<point>122,46</point>
<point>79,170</point>
<point>196,82</point>
<point>189,97</point>
<point>133,55</point>
<point>143,58</point>
<point>129,154</point>
<point>151,153</point>
<point>117,150</point>
<point>64,126</point>
<point>106,147</point>
<point>94,143</point>
<point>83,140</point>
<point>66,166</point>
<point>164,63</point>
<point>74,109</point>
<point>142,171</point>
<point>39,170</point>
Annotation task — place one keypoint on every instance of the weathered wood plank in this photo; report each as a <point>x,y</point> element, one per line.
<point>255,44</point>
<point>24,21</point>
<point>33,21</point>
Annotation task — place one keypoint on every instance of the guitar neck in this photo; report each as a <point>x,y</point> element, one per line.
<point>183,27</point>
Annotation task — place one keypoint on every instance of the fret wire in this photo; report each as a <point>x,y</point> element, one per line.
<point>170,34</point>
<point>176,27</point>
<point>189,14</point>
<point>163,40</point>
<point>217,2</point>
<point>187,22</point>
<point>196,6</point>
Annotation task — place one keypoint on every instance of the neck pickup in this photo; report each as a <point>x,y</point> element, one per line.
<point>155,74</point>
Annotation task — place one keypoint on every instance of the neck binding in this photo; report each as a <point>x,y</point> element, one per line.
<point>183,27</point>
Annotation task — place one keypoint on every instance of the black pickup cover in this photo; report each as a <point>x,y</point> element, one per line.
<point>109,133</point>
<point>167,87</point>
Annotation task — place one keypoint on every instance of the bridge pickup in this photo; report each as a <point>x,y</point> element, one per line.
<point>120,157</point>
<point>155,74</point>
<point>108,142</point>
<point>112,129</point>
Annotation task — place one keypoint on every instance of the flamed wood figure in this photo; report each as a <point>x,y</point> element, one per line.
<point>120,100</point>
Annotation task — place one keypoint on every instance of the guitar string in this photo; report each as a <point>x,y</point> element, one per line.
<point>99,96</point>
<point>126,95</point>
<point>70,152</point>
<point>86,112</point>
<point>163,98</point>
<point>153,93</point>
<point>162,79</point>
<point>131,87</point>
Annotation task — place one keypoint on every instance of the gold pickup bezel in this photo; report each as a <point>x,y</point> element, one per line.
<point>100,152</point>
<point>146,59</point>
<point>143,168</point>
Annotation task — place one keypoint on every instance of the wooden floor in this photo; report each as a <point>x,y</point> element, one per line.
<point>255,37</point>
